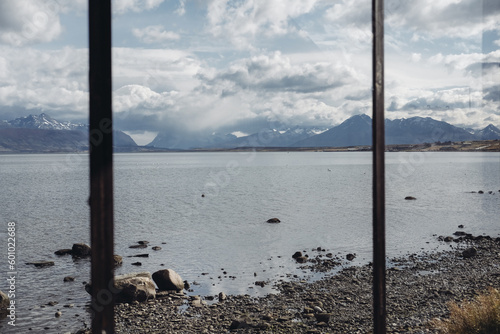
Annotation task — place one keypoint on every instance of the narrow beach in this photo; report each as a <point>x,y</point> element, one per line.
<point>419,287</point>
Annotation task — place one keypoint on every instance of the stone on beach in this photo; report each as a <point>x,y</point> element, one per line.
<point>469,252</point>
<point>131,287</point>
<point>168,279</point>
<point>135,287</point>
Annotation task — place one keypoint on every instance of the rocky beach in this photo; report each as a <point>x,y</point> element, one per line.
<point>419,288</point>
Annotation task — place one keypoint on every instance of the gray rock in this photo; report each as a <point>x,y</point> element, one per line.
<point>41,264</point>
<point>168,279</point>
<point>469,252</point>
<point>138,246</point>
<point>80,250</point>
<point>135,287</point>
<point>117,259</point>
<point>65,251</point>
<point>4,302</point>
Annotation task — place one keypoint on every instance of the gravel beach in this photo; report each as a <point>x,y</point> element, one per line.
<point>419,286</point>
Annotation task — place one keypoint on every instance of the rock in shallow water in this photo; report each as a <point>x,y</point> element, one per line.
<point>168,279</point>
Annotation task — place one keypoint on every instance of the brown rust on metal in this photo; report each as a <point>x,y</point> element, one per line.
<point>101,166</point>
<point>379,278</point>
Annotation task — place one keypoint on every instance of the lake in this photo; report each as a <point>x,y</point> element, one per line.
<point>221,241</point>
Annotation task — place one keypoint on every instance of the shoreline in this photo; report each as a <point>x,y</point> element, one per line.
<point>419,286</point>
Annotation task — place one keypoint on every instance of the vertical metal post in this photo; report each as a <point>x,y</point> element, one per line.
<point>379,288</point>
<point>101,166</point>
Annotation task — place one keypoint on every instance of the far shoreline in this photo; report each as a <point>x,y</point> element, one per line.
<point>461,146</point>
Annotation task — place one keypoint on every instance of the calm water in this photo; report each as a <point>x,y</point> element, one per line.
<point>322,199</point>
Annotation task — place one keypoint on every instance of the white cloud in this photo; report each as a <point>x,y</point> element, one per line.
<point>240,22</point>
<point>181,10</point>
<point>445,18</point>
<point>29,21</point>
<point>122,6</point>
<point>155,34</point>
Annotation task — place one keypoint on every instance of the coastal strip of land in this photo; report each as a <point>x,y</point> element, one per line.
<point>419,288</point>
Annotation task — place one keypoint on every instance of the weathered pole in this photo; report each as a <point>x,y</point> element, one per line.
<point>379,278</point>
<point>101,166</point>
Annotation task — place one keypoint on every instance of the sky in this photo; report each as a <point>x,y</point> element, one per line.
<point>204,66</point>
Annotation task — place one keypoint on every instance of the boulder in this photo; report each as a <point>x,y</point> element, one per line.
<point>296,255</point>
<point>156,248</point>
<point>132,287</point>
<point>410,198</point>
<point>4,302</point>
<point>143,242</point>
<point>135,287</point>
<point>350,257</point>
<point>168,279</point>
<point>68,279</point>
<point>273,221</point>
<point>65,251</point>
<point>80,250</point>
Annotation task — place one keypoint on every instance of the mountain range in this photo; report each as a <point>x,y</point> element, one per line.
<point>42,133</point>
<point>355,131</point>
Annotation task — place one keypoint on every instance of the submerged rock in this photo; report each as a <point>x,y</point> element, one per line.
<point>41,264</point>
<point>65,251</point>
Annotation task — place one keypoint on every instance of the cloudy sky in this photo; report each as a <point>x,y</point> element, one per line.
<point>243,65</point>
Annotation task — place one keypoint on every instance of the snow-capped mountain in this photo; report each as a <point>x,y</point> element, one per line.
<point>357,131</point>
<point>42,133</point>
<point>45,122</point>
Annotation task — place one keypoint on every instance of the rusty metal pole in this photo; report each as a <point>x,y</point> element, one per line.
<point>101,166</point>
<point>379,287</point>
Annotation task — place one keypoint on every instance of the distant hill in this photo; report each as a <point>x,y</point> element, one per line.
<point>357,131</point>
<point>41,133</point>
<point>263,138</point>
